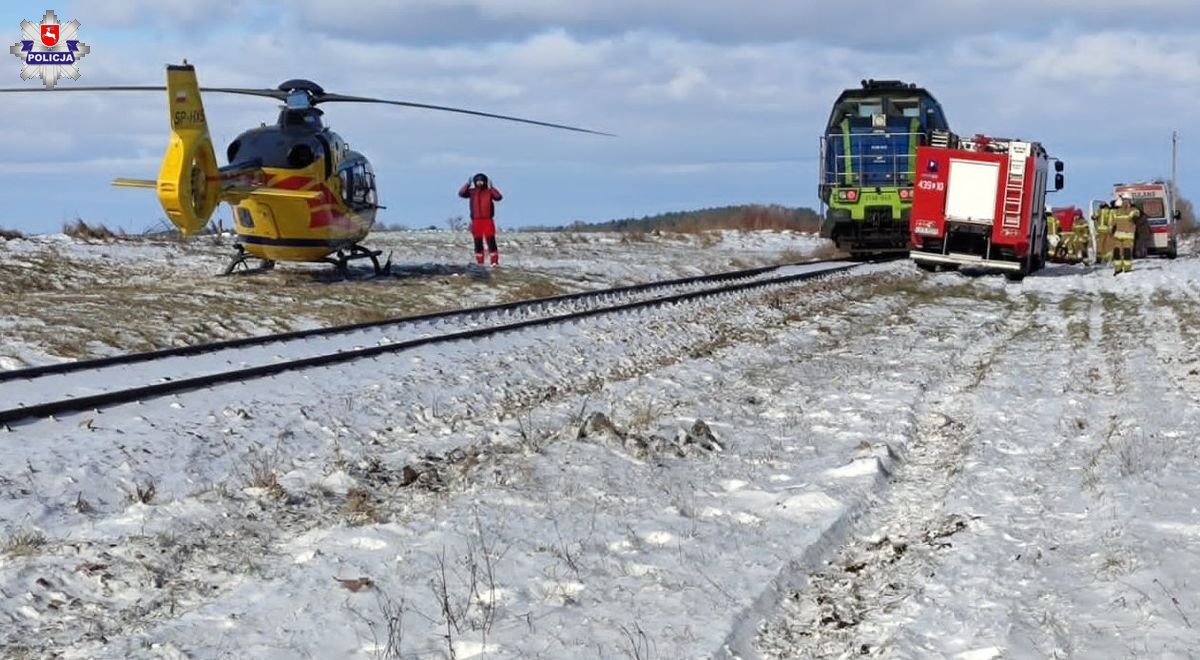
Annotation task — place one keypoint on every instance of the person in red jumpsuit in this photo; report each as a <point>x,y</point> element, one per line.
<point>483,198</point>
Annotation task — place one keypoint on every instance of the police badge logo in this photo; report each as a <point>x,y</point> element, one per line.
<point>50,50</point>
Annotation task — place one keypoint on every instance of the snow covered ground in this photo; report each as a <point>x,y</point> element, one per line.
<point>883,462</point>
<point>69,299</point>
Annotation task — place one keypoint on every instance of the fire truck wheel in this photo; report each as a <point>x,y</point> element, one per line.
<point>1015,277</point>
<point>927,267</point>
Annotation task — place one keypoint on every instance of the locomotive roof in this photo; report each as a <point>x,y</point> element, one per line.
<point>871,88</point>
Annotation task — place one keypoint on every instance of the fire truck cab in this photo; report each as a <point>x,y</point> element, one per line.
<point>982,203</point>
<point>1156,201</point>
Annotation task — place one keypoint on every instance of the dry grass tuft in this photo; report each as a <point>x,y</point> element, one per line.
<point>533,288</point>
<point>81,229</point>
<point>262,472</point>
<point>828,251</point>
<point>23,544</point>
<point>360,509</point>
<point>143,494</point>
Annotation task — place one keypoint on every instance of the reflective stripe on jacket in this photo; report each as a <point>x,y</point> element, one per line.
<point>1124,220</point>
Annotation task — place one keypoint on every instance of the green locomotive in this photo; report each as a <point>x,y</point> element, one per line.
<point>868,166</point>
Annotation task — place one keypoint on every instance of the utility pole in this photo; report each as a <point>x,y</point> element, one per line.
<point>1174,160</point>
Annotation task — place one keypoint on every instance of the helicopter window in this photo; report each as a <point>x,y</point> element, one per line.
<point>362,186</point>
<point>358,186</point>
<point>300,155</point>
<point>326,152</point>
<point>245,218</point>
<point>232,151</point>
<point>344,178</point>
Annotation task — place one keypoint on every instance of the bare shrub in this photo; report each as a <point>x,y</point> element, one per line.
<point>637,644</point>
<point>471,603</point>
<point>81,229</point>
<point>1187,216</point>
<point>10,234</point>
<point>456,223</point>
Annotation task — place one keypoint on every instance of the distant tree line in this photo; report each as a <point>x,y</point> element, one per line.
<point>746,217</point>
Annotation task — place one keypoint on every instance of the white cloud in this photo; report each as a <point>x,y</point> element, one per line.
<point>704,107</point>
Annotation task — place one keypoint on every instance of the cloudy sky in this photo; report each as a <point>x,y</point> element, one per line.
<point>714,102</point>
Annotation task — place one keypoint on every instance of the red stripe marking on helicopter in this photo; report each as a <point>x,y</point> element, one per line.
<point>323,219</point>
<point>292,182</point>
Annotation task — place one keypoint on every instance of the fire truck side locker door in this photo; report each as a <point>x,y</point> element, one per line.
<point>972,190</point>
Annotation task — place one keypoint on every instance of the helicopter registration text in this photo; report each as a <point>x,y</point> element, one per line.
<point>187,118</point>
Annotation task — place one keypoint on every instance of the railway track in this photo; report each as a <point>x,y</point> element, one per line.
<point>51,390</point>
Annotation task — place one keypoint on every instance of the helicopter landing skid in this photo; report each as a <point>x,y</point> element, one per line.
<point>345,255</point>
<point>240,259</point>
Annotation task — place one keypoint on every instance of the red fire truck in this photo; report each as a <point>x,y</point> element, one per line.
<point>982,203</point>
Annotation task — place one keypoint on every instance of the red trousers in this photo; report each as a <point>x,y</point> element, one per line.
<point>484,229</point>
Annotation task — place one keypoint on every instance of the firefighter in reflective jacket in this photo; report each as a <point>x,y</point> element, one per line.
<point>1104,241</point>
<point>1124,219</point>
<point>483,198</point>
<point>1054,236</point>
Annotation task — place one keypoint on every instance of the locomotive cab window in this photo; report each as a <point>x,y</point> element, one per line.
<point>907,107</point>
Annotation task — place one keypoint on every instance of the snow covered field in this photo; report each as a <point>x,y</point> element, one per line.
<point>882,463</point>
<point>67,299</point>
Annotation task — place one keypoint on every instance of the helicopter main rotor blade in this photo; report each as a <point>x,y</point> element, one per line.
<point>317,98</point>
<point>408,104</point>
<point>89,88</point>
<point>271,93</point>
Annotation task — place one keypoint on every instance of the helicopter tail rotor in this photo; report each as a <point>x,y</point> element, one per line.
<point>189,181</point>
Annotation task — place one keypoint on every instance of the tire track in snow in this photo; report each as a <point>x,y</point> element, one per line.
<point>836,612</point>
<point>1070,559</point>
<point>1174,323</point>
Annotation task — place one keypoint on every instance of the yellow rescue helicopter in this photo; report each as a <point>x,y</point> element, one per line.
<point>298,192</point>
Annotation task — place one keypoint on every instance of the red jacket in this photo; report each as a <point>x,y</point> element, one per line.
<point>483,201</point>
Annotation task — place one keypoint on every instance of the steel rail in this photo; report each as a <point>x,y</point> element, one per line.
<point>212,347</point>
